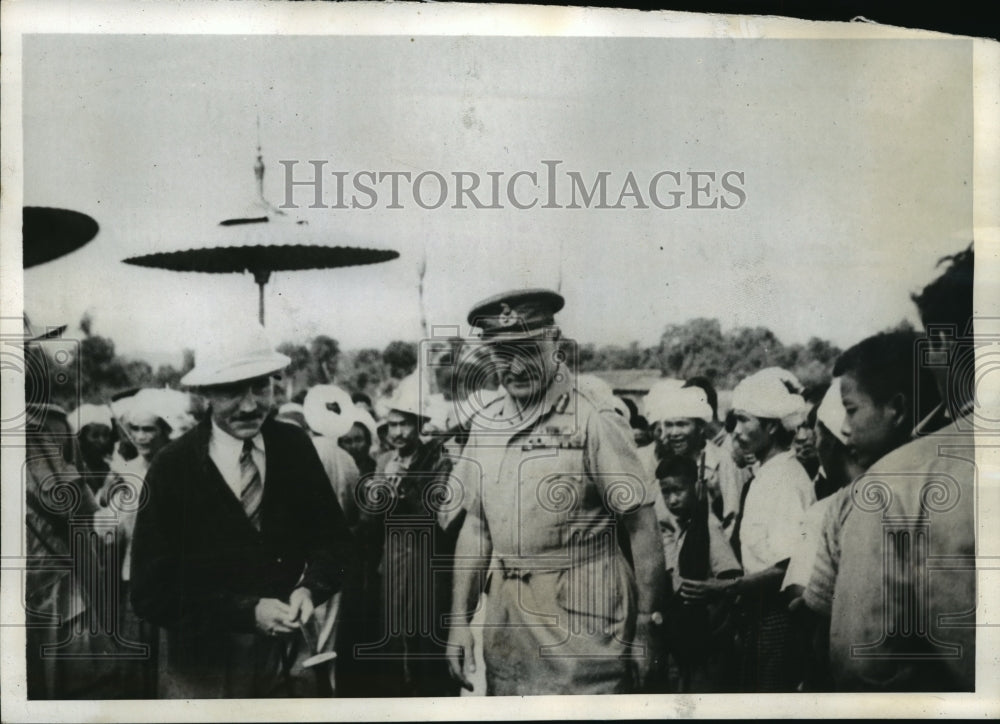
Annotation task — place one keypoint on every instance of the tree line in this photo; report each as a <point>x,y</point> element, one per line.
<point>696,347</point>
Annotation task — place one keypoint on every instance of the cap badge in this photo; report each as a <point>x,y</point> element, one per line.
<point>508,317</point>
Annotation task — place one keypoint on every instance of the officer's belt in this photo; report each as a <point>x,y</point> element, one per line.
<point>523,568</point>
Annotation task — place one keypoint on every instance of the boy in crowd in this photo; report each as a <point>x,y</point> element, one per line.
<point>899,623</point>
<point>701,565</point>
<point>877,379</point>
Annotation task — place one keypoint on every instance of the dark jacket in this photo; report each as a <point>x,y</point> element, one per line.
<point>199,567</point>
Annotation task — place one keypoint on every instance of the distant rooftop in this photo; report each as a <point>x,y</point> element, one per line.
<point>629,382</point>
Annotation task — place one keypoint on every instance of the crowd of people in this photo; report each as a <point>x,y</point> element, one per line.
<point>220,542</point>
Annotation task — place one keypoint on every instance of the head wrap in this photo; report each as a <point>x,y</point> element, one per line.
<point>171,406</point>
<point>831,411</point>
<point>673,402</point>
<point>90,415</point>
<point>329,410</point>
<point>661,389</point>
<point>771,393</point>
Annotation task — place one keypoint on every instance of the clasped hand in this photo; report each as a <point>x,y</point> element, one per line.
<point>275,617</point>
<point>692,591</point>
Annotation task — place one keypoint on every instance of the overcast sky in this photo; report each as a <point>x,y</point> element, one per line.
<point>856,159</point>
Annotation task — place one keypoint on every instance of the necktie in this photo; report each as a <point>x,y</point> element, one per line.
<point>251,485</point>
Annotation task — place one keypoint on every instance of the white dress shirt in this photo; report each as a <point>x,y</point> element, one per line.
<point>225,451</point>
<point>772,514</point>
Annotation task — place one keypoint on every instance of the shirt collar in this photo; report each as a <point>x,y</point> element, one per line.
<point>405,461</point>
<point>940,417</point>
<point>233,446</point>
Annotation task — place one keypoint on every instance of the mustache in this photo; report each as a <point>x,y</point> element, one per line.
<point>247,417</point>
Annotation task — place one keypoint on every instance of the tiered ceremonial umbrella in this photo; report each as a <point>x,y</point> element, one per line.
<point>264,239</point>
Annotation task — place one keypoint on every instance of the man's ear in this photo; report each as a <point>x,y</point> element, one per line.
<point>774,428</point>
<point>899,410</point>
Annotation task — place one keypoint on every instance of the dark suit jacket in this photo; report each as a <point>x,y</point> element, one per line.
<point>199,567</point>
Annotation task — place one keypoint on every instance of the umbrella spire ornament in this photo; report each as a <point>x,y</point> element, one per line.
<point>264,239</point>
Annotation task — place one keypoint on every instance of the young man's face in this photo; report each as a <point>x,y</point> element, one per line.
<point>871,429</point>
<point>356,442</point>
<point>96,441</point>
<point>147,435</point>
<point>403,430</point>
<point>751,434</point>
<point>678,494</point>
<point>804,444</point>
<point>240,408</point>
<point>681,435</point>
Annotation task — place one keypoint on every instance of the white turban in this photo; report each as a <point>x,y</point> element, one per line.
<point>651,403</point>
<point>171,406</point>
<point>689,402</point>
<point>768,394</point>
<point>90,415</point>
<point>831,411</point>
<point>329,410</point>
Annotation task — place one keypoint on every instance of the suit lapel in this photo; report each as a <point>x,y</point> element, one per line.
<point>217,487</point>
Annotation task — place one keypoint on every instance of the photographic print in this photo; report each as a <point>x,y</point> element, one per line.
<point>360,358</point>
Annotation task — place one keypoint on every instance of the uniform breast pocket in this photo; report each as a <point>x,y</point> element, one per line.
<point>560,493</point>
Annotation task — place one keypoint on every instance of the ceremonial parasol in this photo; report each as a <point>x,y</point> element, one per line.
<point>49,233</point>
<point>268,241</point>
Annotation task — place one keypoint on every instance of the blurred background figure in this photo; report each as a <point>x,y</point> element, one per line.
<point>409,542</point>
<point>62,611</point>
<point>360,441</point>
<point>95,440</point>
<point>150,418</point>
<point>714,428</point>
<point>804,446</point>
<point>330,414</point>
<point>804,442</point>
<point>638,423</point>
<point>360,399</point>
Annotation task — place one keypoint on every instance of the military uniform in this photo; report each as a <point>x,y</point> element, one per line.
<point>561,597</point>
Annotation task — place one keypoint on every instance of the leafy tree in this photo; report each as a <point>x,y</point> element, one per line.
<point>298,354</point>
<point>695,347</point>
<point>169,376</point>
<point>139,373</point>
<point>401,358</point>
<point>101,369</point>
<point>362,371</point>
<point>325,353</point>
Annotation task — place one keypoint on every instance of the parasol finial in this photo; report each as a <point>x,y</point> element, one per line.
<point>258,168</point>
<point>421,272</point>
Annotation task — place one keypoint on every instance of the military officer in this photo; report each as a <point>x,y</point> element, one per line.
<point>550,477</point>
